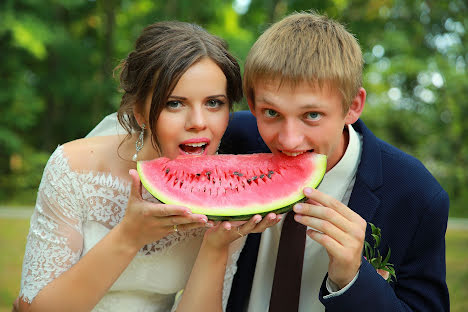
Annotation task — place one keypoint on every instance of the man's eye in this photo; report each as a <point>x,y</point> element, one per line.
<point>214,103</point>
<point>173,104</point>
<point>314,116</point>
<point>270,113</point>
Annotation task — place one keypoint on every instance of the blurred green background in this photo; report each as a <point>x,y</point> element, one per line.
<point>57,60</point>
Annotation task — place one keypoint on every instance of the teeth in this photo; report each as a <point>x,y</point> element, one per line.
<point>196,144</point>
<point>292,154</point>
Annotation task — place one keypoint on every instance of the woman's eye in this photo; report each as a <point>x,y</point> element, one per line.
<point>314,116</point>
<point>270,113</point>
<point>173,104</point>
<point>214,103</point>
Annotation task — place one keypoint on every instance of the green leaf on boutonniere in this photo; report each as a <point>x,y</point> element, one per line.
<point>373,256</point>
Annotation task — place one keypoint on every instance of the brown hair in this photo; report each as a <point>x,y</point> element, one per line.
<point>163,52</point>
<point>306,47</point>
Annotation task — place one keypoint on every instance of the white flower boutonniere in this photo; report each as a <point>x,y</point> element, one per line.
<point>373,256</point>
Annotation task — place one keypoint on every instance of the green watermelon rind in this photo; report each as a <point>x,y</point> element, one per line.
<point>248,216</point>
<point>278,206</point>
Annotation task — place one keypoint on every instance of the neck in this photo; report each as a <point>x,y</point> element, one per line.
<point>341,148</point>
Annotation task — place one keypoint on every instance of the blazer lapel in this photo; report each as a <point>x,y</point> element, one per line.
<point>369,175</point>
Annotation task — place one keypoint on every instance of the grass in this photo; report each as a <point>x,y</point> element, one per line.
<point>457,270</point>
<point>12,242</point>
<point>13,239</point>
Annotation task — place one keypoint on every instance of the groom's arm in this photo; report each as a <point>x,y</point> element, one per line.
<point>420,284</point>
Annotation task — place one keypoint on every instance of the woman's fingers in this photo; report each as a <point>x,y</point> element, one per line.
<point>185,219</point>
<point>187,227</point>
<point>135,190</point>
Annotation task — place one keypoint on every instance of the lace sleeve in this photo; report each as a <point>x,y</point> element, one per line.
<point>231,268</point>
<point>55,238</point>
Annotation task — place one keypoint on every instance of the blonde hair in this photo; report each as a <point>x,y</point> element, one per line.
<point>306,47</point>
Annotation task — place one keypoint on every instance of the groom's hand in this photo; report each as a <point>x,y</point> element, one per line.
<point>337,228</point>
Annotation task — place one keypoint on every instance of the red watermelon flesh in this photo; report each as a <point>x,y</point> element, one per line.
<point>226,187</point>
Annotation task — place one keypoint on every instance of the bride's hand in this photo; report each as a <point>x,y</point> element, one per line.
<point>224,233</point>
<point>145,222</point>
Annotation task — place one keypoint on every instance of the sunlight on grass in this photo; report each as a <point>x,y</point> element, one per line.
<point>13,239</point>
<point>457,270</point>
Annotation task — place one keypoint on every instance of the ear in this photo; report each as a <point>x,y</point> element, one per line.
<point>251,103</point>
<point>140,118</point>
<point>356,108</point>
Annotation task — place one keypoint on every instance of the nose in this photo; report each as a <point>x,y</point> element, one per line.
<point>195,120</point>
<point>290,136</point>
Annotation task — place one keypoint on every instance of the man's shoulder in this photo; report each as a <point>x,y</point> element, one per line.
<point>242,136</point>
<point>400,168</point>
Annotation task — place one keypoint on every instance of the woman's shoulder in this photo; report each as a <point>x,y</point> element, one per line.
<point>97,154</point>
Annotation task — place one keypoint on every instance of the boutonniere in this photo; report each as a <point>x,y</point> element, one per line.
<point>373,256</point>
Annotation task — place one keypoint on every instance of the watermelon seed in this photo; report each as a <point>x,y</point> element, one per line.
<point>238,174</point>
<point>197,174</point>
<point>254,178</point>
<point>262,176</point>
<point>167,171</point>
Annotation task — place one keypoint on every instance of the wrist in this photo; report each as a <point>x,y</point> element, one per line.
<point>124,240</point>
<point>215,250</point>
<point>342,282</point>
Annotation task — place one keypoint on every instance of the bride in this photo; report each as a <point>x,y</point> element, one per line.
<point>98,241</point>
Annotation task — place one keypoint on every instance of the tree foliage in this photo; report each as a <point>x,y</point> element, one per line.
<point>58,58</point>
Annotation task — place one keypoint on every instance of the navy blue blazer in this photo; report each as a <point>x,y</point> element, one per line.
<point>394,191</point>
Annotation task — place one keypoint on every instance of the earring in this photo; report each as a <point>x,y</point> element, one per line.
<point>139,142</point>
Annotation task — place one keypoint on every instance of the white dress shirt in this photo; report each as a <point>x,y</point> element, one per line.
<point>338,183</point>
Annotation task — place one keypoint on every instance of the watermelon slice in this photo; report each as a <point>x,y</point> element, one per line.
<point>232,187</point>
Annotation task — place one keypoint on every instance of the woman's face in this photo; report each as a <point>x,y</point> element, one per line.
<point>196,113</point>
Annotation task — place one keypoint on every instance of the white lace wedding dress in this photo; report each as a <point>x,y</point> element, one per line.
<point>74,211</point>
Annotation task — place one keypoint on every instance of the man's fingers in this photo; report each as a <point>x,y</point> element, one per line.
<point>330,215</point>
<point>324,227</point>
<point>334,248</point>
<point>136,184</point>
<point>328,201</point>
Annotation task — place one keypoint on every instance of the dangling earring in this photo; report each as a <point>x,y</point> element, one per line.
<point>139,142</point>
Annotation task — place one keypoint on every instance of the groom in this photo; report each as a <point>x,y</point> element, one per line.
<point>303,82</point>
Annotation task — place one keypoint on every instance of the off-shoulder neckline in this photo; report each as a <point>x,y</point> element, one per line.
<point>93,175</point>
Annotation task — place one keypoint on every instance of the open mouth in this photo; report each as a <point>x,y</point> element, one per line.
<point>193,148</point>
<point>296,153</point>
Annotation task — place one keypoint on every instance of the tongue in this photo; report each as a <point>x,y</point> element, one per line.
<point>192,149</point>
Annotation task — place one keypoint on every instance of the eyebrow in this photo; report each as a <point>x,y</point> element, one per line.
<point>208,97</point>
<point>305,106</point>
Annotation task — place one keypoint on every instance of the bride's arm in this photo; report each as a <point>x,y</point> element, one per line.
<point>204,289</point>
<point>54,276</point>
<point>82,286</point>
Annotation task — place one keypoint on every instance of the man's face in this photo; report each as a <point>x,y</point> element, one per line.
<point>305,118</point>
